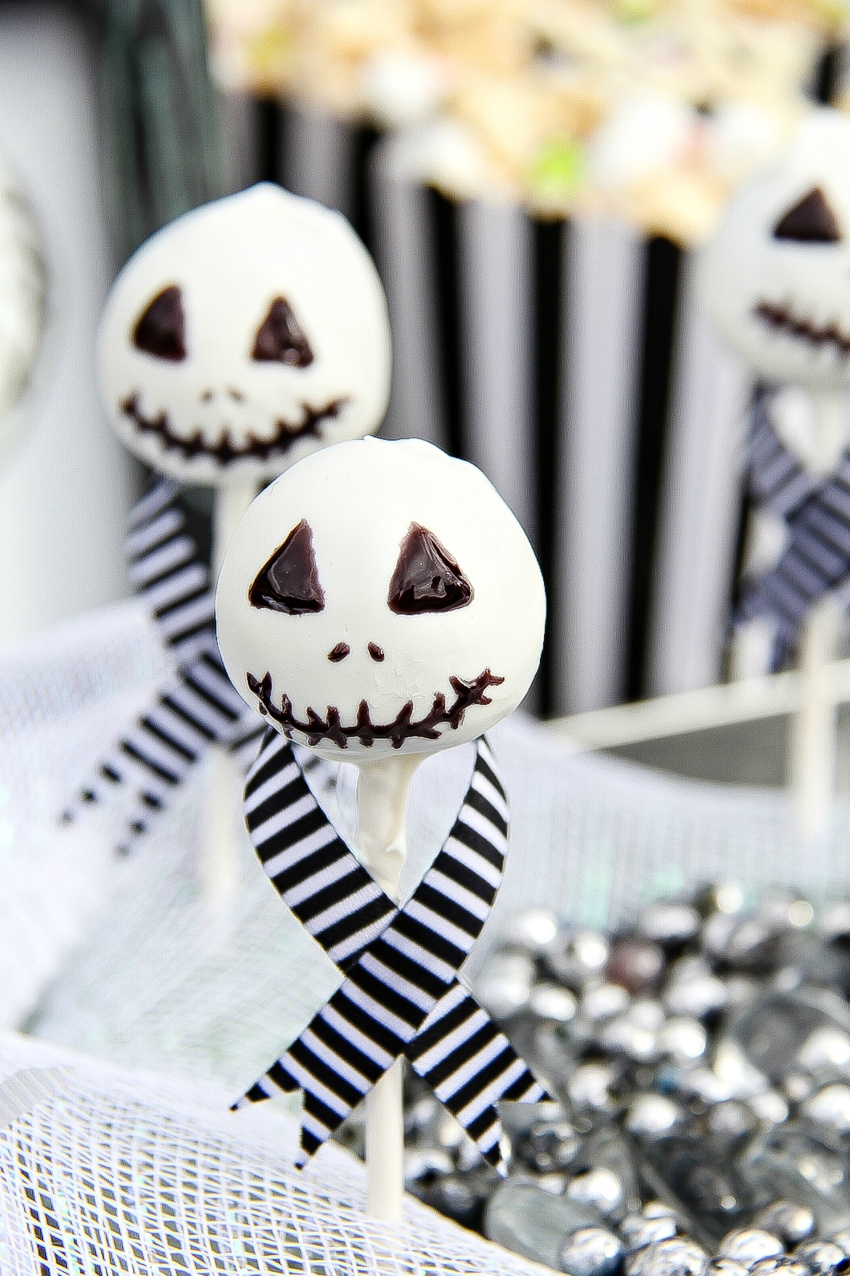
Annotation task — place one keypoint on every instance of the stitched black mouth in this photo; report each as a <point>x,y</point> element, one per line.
<point>365,730</point>
<point>783,319</point>
<point>225,451</point>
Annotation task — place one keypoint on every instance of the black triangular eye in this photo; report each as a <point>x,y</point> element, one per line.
<point>426,577</point>
<point>290,579</point>
<point>160,329</point>
<point>810,221</point>
<point>280,338</point>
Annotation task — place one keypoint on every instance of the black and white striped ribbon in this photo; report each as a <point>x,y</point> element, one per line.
<point>775,478</point>
<point>816,558</point>
<point>401,993</point>
<point>164,567</point>
<point>199,706</point>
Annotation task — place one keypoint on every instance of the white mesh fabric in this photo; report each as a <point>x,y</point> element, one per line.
<point>106,1172</point>
<point>61,697</point>
<point>164,981</point>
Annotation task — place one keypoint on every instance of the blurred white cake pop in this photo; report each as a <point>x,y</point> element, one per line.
<point>776,276</point>
<point>776,281</point>
<point>380,597</point>
<point>243,336</point>
<point>22,301</point>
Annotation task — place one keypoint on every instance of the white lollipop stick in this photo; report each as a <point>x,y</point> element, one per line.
<point>813,742</point>
<point>217,865</point>
<point>382,793</point>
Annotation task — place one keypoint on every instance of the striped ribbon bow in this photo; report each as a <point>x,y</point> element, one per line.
<point>199,706</point>
<point>401,994</point>
<point>816,558</point>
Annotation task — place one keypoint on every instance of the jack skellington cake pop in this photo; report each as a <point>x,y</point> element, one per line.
<point>776,281</point>
<point>377,603</point>
<point>393,604</point>
<point>242,336</point>
<point>238,339</point>
<point>775,277</point>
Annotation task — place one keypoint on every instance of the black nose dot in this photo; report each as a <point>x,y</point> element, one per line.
<point>339,652</point>
<point>376,652</point>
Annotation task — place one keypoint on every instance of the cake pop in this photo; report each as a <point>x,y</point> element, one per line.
<point>377,603</point>
<point>776,281</point>
<point>393,605</point>
<point>242,336</point>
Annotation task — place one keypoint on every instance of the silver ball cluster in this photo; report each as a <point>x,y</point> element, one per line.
<point>700,1059</point>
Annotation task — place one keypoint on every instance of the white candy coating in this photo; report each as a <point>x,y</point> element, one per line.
<point>220,413</point>
<point>359,500</point>
<point>22,301</point>
<point>784,303</point>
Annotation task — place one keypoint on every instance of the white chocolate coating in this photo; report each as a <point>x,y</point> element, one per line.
<point>784,303</point>
<point>359,500</point>
<point>22,302</point>
<point>228,415</point>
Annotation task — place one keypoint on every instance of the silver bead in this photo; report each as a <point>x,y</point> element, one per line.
<point>604,1001</point>
<point>637,964</point>
<point>578,956</point>
<point>825,1047</point>
<point>779,1265</point>
<point>667,922</point>
<point>842,1237</point>
<point>600,1189</point>
<point>717,932</point>
<point>533,931</point>
<point>546,1146</point>
<point>589,1087</point>
<point>721,1266</point>
<point>791,1160</point>
<point>658,1209</point>
<point>648,1012</point>
<point>834,922</point>
<point>695,995</point>
<point>674,1257</point>
<point>731,1120</point>
<point>748,1244</point>
<point>820,1256</point>
<point>683,1040</point>
<point>720,897</point>
<point>533,1223</point>
<point>650,1115</point>
<point>797,1086</point>
<point>622,1035</point>
<point>551,1001</point>
<point>741,990</point>
<point>504,985</point>
<point>770,1107</point>
<point>704,1084</point>
<point>792,1223</point>
<point>638,1231</point>
<point>591,1251</point>
<point>829,1108</point>
<point>420,1163</point>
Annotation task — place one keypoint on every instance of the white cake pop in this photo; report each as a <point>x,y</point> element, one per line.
<point>380,597</point>
<point>243,336</point>
<point>776,276</point>
<point>22,303</point>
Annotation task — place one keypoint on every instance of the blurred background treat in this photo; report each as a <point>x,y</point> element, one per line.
<point>533,178</point>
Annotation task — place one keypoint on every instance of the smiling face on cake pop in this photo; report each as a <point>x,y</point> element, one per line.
<point>243,336</point>
<point>776,276</point>
<point>380,596</point>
